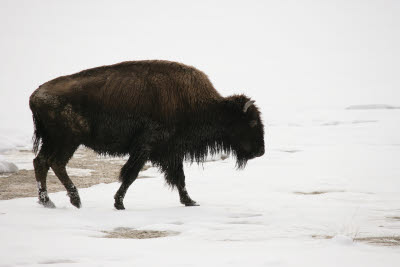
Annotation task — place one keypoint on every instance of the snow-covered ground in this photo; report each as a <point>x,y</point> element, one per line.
<point>330,178</point>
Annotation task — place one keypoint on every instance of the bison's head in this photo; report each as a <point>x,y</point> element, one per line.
<point>245,129</point>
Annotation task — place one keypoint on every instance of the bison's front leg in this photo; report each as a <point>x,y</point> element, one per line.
<point>128,175</point>
<point>176,177</point>
<point>185,198</point>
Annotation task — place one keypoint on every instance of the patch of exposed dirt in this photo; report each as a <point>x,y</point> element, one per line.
<point>85,169</point>
<point>374,240</point>
<point>380,240</point>
<point>129,233</point>
<point>322,236</point>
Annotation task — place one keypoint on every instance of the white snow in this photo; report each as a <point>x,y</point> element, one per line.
<point>7,167</point>
<point>265,215</point>
<point>328,171</point>
<point>11,140</point>
<point>23,159</point>
<point>373,106</point>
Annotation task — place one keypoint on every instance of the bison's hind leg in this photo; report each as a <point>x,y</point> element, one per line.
<point>58,164</point>
<point>128,175</point>
<point>40,163</point>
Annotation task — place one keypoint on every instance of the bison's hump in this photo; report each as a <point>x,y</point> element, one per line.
<point>153,87</point>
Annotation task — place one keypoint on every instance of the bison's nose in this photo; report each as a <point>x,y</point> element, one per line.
<point>261,152</point>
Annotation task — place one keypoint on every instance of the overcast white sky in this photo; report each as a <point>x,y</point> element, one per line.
<point>281,53</point>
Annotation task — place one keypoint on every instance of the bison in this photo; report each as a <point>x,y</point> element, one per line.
<point>158,111</point>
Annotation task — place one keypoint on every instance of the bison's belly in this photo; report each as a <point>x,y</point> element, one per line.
<point>116,134</point>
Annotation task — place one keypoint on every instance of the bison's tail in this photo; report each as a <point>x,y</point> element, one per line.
<point>37,134</point>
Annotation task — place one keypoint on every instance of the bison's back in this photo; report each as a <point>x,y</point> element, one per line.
<point>159,89</point>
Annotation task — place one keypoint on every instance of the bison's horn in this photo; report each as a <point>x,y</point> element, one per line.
<point>247,105</point>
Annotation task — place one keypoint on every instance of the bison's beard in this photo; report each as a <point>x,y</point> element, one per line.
<point>200,154</point>
<point>241,161</point>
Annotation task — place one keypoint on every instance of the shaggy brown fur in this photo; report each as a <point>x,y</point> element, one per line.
<point>160,111</point>
<point>160,89</point>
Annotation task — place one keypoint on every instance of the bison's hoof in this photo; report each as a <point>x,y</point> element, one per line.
<point>119,205</point>
<point>47,203</point>
<point>76,202</point>
<point>191,203</point>
<point>75,199</point>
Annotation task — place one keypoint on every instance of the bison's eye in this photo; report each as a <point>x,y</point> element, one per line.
<point>253,123</point>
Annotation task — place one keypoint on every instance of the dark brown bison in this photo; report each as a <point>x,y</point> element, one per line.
<point>158,111</point>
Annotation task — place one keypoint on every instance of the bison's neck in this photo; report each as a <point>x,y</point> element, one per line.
<point>203,133</point>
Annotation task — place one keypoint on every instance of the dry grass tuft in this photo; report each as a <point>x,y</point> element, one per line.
<point>322,236</point>
<point>374,240</point>
<point>129,233</point>
<point>380,240</point>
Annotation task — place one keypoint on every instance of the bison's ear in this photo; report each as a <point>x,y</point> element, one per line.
<point>247,105</point>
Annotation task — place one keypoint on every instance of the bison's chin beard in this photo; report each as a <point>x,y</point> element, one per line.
<point>241,161</point>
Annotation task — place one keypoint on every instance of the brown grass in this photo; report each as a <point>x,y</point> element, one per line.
<point>129,233</point>
<point>380,240</point>
<point>374,240</point>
